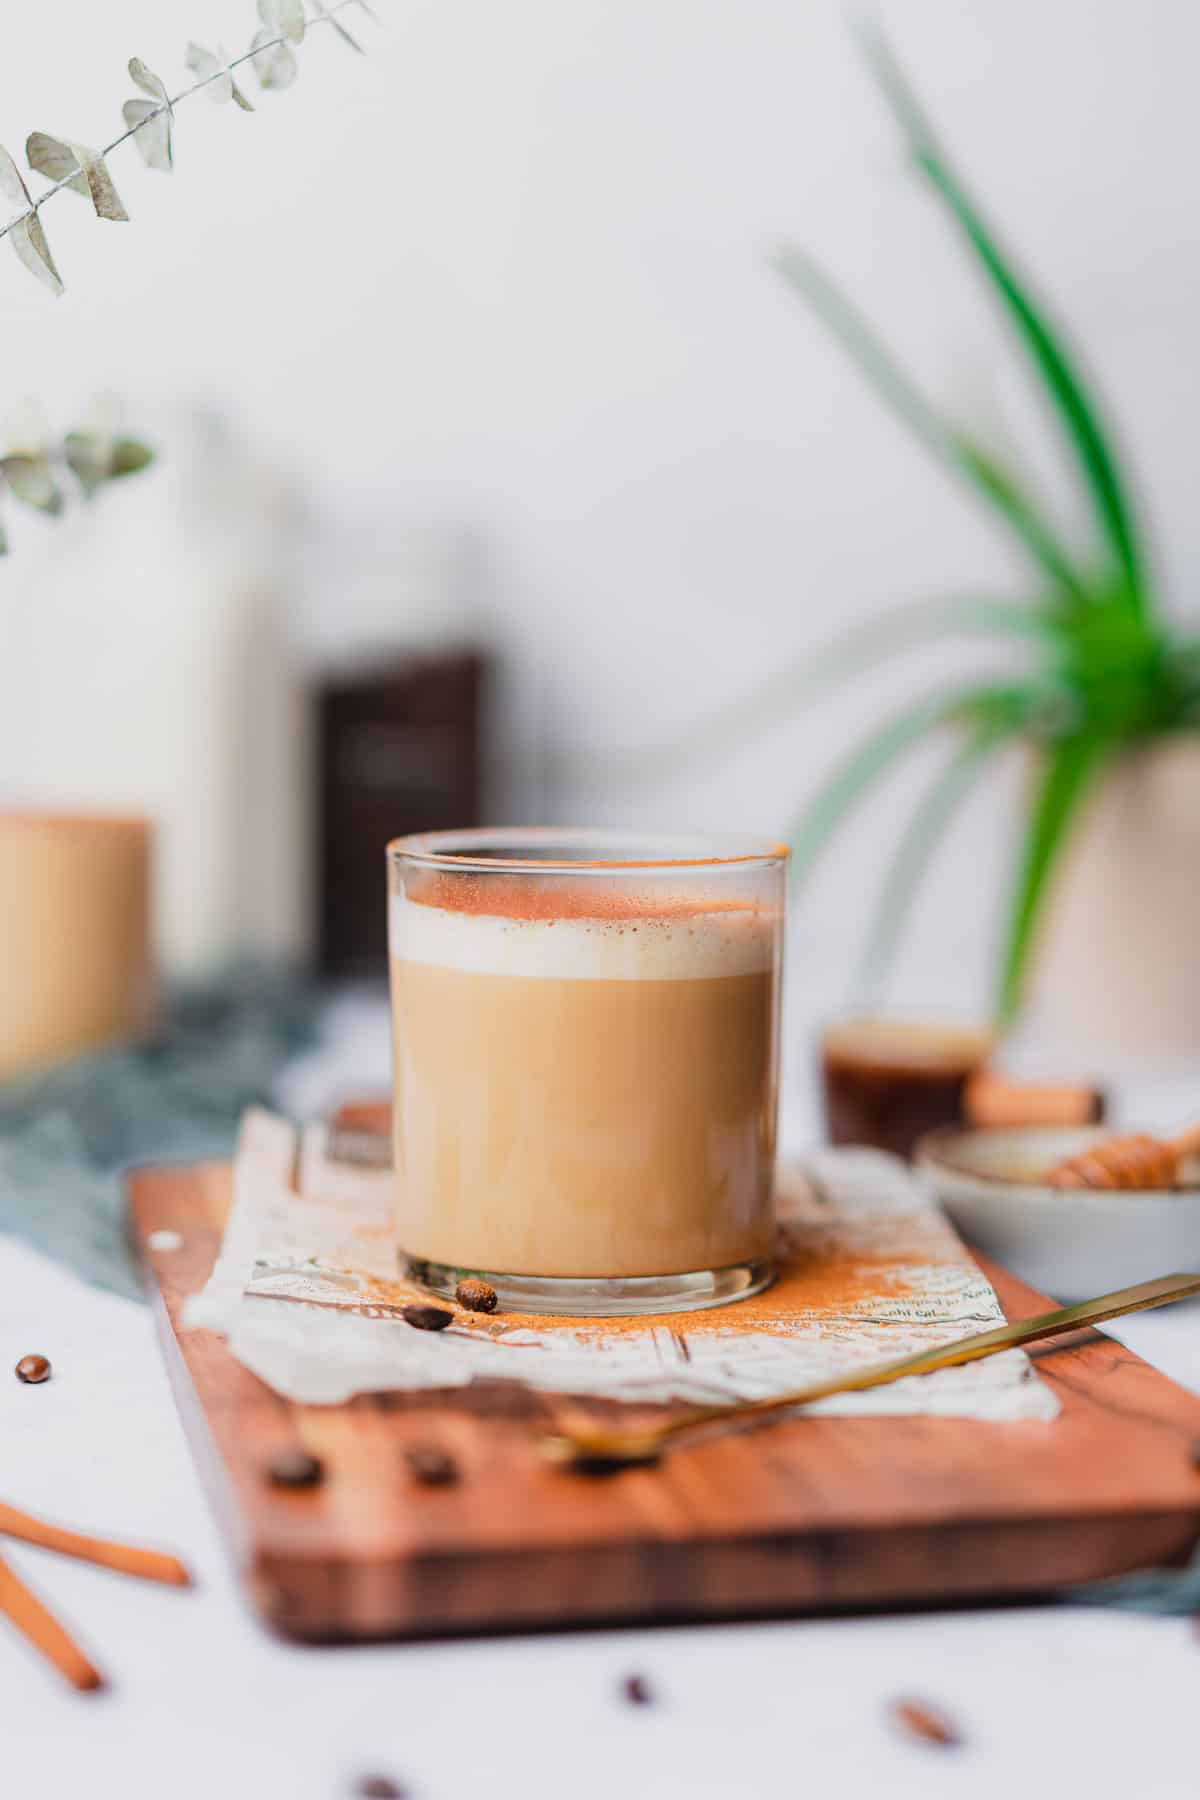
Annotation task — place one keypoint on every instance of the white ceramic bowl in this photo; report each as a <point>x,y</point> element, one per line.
<point>1070,1243</point>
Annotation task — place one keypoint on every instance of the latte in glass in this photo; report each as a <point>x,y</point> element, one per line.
<point>586,1067</point>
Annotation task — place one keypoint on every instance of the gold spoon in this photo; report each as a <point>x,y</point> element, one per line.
<point>595,1451</point>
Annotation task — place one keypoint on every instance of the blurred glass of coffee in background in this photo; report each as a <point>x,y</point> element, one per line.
<point>887,1081</point>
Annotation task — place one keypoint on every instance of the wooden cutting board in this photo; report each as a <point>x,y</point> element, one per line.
<point>814,1513</point>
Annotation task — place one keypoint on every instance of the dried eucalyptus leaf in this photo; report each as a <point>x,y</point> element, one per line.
<point>147,80</point>
<point>209,68</point>
<point>291,18</point>
<point>151,126</point>
<point>283,18</point>
<point>89,458</point>
<point>129,455</point>
<point>12,182</point>
<point>104,195</point>
<point>29,242</point>
<point>32,481</point>
<point>3,541</point>
<point>323,12</point>
<point>274,63</point>
<point>214,69</point>
<point>54,159</point>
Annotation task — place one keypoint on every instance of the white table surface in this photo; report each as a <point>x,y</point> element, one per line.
<point>204,1704</point>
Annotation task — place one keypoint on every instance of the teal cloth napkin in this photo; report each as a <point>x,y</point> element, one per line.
<point>66,1137</point>
<point>1174,1593</point>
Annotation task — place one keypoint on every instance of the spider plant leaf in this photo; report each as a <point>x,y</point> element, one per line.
<point>861,647</point>
<point>1061,379</point>
<point>1071,767</point>
<point>979,468</point>
<point>921,837</point>
<point>873,757</point>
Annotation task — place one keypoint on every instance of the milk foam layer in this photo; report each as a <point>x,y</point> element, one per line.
<point>692,947</point>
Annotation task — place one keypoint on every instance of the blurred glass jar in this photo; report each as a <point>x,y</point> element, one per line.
<point>76,962</point>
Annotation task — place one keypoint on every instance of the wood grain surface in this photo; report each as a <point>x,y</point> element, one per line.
<point>814,1513</point>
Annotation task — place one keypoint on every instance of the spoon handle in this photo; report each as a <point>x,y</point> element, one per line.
<point>599,1447</point>
<point>1139,1298</point>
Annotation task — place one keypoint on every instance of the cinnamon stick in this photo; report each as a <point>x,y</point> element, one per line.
<point>22,1606</point>
<point>126,1559</point>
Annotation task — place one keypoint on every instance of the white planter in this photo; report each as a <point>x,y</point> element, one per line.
<point>1118,964</point>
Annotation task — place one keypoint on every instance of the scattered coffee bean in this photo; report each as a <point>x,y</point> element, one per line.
<point>430,1465</point>
<point>164,1240</point>
<point>295,1469</point>
<point>594,1462</point>
<point>33,1369</point>
<point>1195,1453</point>
<point>636,1689</point>
<point>426,1318</point>
<point>476,1295</point>
<point>381,1787</point>
<point>919,1720</point>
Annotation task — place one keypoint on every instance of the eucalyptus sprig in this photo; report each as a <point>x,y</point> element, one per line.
<point>1106,667</point>
<point>85,460</point>
<point>150,124</point>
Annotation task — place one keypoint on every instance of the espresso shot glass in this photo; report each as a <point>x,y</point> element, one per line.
<point>586,1057</point>
<point>887,1081</point>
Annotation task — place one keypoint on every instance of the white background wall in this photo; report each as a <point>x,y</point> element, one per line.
<point>510,271</point>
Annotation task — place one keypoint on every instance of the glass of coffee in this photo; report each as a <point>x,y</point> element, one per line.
<point>586,1053</point>
<point>889,1081</point>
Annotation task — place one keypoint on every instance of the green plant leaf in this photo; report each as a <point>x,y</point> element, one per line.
<point>982,471</point>
<point>1062,381</point>
<point>921,837</point>
<point>1070,768</point>
<point>852,651</point>
<point>837,796</point>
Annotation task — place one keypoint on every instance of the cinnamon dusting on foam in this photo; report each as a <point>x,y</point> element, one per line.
<point>578,930</point>
<point>500,897</point>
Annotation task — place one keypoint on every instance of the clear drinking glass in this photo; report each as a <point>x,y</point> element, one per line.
<point>586,1052</point>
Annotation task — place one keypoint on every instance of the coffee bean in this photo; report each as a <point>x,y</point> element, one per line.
<point>295,1469</point>
<point>476,1295</point>
<point>430,1465</point>
<point>1194,1453</point>
<point>33,1369</point>
<point>636,1689</point>
<point>426,1318</point>
<point>380,1787</point>
<point>919,1720</point>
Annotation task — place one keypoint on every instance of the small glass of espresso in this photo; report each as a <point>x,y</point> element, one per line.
<point>586,1056</point>
<point>888,1081</point>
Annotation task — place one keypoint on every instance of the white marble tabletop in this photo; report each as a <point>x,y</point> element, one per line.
<point>203,1703</point>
